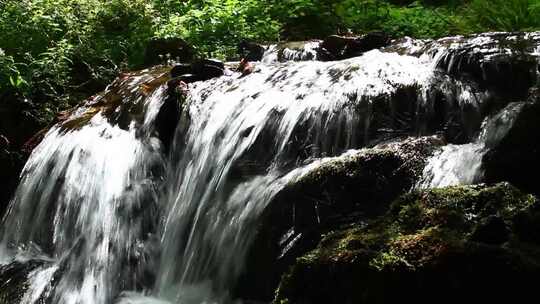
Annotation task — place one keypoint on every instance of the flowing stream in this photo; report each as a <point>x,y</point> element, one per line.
<point>111,216</point>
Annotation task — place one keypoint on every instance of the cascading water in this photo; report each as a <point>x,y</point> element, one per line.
<point>214,205</point>
<point>461,164</point>
<point>111,218</point>
<point>86,203</point>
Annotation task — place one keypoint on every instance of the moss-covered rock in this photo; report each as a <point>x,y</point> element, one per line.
<point>342,190</point>
<point>453,244</point>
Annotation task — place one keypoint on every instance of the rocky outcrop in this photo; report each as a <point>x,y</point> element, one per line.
<point>448,244</point>
<point>516,156</point>
<point>198,70</point>
<point>344,189</point>
<point>342,47</point>
<point>251,51</point>
<point>329,49</point>
<point>501,62</point>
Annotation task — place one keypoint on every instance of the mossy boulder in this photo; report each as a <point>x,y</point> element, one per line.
<point>456,244</point>
<point>341,190</point>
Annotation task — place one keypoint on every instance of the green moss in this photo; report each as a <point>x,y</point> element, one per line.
<point>424,234</point>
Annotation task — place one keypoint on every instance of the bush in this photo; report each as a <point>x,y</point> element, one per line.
<point>504,15</point>
<point>10,77</point>
<point>215,27</point>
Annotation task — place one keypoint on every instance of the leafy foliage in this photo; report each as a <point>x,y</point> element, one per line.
<point>507,15</point>
<point>55,52</point>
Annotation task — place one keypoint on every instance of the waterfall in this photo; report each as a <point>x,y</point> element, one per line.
<point>461,164</point>
<point>110,215</point>
<point>86,202</point>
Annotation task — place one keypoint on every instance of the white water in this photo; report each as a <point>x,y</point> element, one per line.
<point>212,218</point>
<point>95,204</point>
<point>303,51</point>
<point>85,201</point>
<point>461,164</point>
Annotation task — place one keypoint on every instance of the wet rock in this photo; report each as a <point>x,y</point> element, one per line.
<point>423,248</point>
<point>122,103</point>
<point>181,69</point>
<point>159,49</point>
<point>170,112</point>
<point>292,51</point>
<point>341,47</point>
<point>198,70</point>
<point>14,280</point>
<point>343,190</point>
<point>4,142</point>
<point>501,62</point>
<point>251,51</point>
<point>208,68</point>
<point>516,157</point>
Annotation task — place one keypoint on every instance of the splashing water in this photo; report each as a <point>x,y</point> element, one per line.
<point>462,164</point>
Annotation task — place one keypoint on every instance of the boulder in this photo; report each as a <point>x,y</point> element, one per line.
<point>501,62</point>
<point>516,157</point>
<point>251,51</point>
<point>342,47</point>
<point>426,248</point>
<point>170,112</point>
<point>208,68</point>
<point>342,190</point>
<point>491,230</point>
<point>198,70</point>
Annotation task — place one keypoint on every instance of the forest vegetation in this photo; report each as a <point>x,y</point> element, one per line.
<point>54,53</point>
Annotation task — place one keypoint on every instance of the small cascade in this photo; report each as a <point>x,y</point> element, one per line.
<point>461,164</point>
<point>87,199</point>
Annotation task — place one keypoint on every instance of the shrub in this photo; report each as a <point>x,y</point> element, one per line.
<point>503,15</point>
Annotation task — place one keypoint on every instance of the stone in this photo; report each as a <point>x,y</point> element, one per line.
<point>198,70</point>
<point>250,51</point>
<point>208,68</point>
<point>344,190</point>
<point>181,69</point>
<point>424,248</point>
<point>516,157</point>
<point>342,47</point>
<point>14,278</point>
<point>500,62</point>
